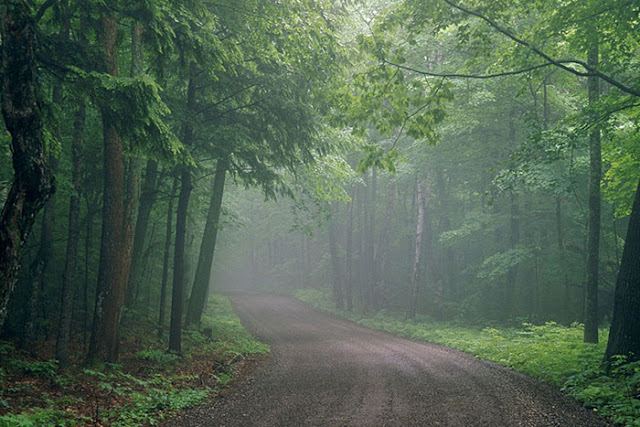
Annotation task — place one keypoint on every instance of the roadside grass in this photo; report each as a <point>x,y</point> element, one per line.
<point>147,386</point>
<point>549,352</point>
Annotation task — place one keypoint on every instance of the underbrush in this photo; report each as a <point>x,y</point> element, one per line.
<point>550,352</point>
<point>146,386</point>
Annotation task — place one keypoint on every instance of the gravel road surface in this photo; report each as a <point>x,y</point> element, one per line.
<point>329,372</point>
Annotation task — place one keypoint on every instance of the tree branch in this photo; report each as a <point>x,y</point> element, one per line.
<point>558,63</point>
<point>46,5</point>
<point>467,76</point>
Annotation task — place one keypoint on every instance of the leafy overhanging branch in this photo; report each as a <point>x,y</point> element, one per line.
<point>136,107</point>
<point>563,64</point>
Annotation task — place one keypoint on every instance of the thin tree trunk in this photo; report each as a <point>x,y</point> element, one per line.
<point>39,266</point>
<point>415,280</point>
<point>175,327</point>
<point>113,267</point>
<point>349,284</point>
<point>510,306</point>
<point>381,250</point>
<point>165,265</point>
<point>365,255</point>
<point>199,291</point>
<point>448,254</point>
<point>147,199</point>
<point>371,240</point>
<point>68,279</point>
<point>338,295</point>
<point>593,229</point>
<point>85,294</point>
<point>33,181</point>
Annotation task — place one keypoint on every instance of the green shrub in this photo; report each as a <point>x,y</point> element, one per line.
<point>37,369</point>
<point>40,417</point>
<point>159,357</point>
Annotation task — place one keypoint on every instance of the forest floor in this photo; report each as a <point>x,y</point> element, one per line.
<point>147,384</point>
<point>327,371</point>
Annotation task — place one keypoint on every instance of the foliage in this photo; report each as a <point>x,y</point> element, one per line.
<point>230,336</point>
<point>41,417</point>
<point>613,394</point>
<point>499,264</point>
<point>122,396</point>
<point>36,368</point>
<point>158,357</point>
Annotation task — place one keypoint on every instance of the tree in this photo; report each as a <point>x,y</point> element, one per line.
<point>113,270</point>
<point>33,181</point>
<point>199,291</point>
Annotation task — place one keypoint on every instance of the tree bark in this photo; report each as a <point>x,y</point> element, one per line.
<point>33,181</point>
<point>382,246</point>
<point>371,241</point>
<point>510,306</point>
<point>175,327</point>
<point>165,264</point>
<point>349,283</point>
<point>415,279</point>
<point>338,295</point>
<point>113,267</point>
<point>624,334</point>
<point>147,199</point>
<point>68,279</point>
<point>199,291</point>
<point>593,229</point>
<point>40,264</point>
<point>448,254</point>
<point>136,241</point>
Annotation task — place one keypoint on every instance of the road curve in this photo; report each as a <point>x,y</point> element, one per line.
<point>329,372</point>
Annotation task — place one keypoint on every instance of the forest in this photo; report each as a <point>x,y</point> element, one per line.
<point>466,162</point>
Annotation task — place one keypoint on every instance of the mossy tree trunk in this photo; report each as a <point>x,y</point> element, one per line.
<point>33,181</point>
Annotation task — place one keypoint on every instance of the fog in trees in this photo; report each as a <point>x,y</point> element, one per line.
<point>469,163</point>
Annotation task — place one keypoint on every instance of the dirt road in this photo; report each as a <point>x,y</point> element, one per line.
<point>328,372</point>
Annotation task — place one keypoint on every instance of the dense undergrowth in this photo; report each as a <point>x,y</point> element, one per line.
<point>550,352</point>
<point>147,385</point>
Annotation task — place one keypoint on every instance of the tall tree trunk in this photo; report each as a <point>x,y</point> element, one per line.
<point>338,295</point>
<point>199,291</point>
<point>382,246</point>
<point>448,254</point>
<point>165,264</point>
<point>68,279</point>
<point>135,240</point>
<point>113,267</point>
<point>349,283</point>
<point>33,181</point>
<point>147,199</point>
<point>365,255</point>
<point>91,213</point>
<point>39,266</point>
<point>593,230</point>
<point>175,327</point>
<point>624,334</point>
<point>45,252</point>
<point>415,279</point>
<point>371,241</point>
<point>510,306</point>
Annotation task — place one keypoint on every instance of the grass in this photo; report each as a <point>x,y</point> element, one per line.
<point>550,352</point>
<point>148,385</point>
